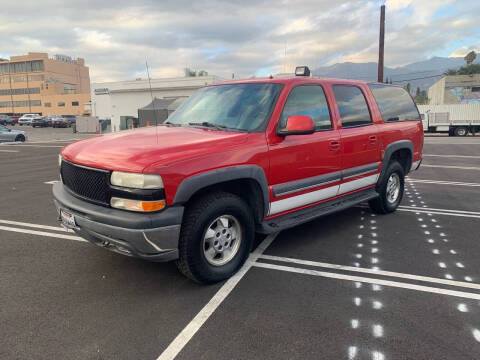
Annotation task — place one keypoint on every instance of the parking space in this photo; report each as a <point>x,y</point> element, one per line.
<point>349,286</point>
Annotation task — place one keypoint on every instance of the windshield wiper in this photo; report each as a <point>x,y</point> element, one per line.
<point>169,123</point>
<point>210,125</point>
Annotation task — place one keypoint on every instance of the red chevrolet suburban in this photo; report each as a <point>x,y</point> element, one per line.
<point>240,157</point>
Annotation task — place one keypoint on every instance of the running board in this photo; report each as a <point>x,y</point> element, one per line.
<point>308,214</point>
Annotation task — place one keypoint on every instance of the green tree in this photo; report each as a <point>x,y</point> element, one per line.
<point>469,69</point>
<point>417,94</point>
<point>421,98</point>
<point>470,57</point>
<point>450,72</point>
<point>408,87</point>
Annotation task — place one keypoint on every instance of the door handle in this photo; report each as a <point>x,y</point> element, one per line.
<point>372,139</point>
<point>334,145</point>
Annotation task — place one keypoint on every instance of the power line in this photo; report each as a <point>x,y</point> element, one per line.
<point>426,77</point>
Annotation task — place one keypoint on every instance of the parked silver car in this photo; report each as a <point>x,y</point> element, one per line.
<point>7,135</point>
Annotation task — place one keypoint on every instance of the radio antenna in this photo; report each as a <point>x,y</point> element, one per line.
<point>153,100</point>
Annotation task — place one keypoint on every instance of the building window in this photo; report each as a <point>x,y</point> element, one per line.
<point>20,91</point>
<point>61,103</point>
<point>69,89</point>
<point>36,65</point>
<point>74,103</point>
<point>36,77</point>
<point>35,103</point>
<point>48,104</point>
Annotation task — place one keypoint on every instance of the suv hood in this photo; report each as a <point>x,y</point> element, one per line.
<point>133,150</point>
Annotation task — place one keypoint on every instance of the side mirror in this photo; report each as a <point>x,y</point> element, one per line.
<point>298,125</point>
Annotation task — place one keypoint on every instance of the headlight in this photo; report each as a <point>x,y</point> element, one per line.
<point>137,181</point>
<point>137,205</point>
<point>59,160</point>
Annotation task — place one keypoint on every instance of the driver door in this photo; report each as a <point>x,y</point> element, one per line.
<point>305,168</point>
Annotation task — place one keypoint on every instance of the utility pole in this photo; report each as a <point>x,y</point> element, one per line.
<point>381,43</point>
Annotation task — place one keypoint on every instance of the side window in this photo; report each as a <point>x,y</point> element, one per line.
<point>307,100</point>
<point>394,103</point>
<point>352,106</point>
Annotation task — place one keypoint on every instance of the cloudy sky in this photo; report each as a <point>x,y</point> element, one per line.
<point>246,37</point>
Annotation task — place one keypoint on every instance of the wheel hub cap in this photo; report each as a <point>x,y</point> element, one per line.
<point>221,240</point>
<point>393,188</point>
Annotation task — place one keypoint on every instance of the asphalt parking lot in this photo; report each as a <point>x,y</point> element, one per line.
<point>349,286</point>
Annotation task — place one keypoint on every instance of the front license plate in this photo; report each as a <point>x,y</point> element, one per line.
<point>68,220</point>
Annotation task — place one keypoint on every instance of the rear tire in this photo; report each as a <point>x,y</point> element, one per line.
<point>211,222</point>
<point>461,131</point>
<point>390,190</point>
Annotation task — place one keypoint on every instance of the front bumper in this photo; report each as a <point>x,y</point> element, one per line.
<point>152,236</point>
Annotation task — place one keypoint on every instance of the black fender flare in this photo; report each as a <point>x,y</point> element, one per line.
<point>391,148</point>
<point>191,185</point>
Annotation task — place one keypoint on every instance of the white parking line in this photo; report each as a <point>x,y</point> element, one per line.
<point>461,213</point>
<point>452,156</point>
<point>27,145</point>
<point>9,151</point>
<point>372,271</point>
<point>441,210</point>
<point>423,211</point>
<point>38,226</point>
<point>451,167</point>
<point>190,330</point>
<point>441,182</point>
<point>369,280</point>
<point>51,182</point>
<point>42,233</point>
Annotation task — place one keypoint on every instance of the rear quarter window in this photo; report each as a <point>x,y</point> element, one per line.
<point>394,103</point>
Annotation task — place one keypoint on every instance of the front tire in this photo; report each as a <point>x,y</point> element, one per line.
<point>390,190</point>
<point>20,138</point>
<point>217,234</point>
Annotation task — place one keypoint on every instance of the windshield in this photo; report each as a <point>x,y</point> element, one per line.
<point>243,107</point>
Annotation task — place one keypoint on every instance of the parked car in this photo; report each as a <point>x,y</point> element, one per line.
<point>72,119</point>
<point>236,158</point>
<point>7,134</point>
<point>6,120</point>
<point>39,121</point>
<point>27,119</point>
<point>58,121</point>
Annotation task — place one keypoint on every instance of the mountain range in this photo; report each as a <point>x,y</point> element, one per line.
<point>422,74</point>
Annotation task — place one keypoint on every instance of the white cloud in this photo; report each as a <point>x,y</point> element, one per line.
<point>115,36</point>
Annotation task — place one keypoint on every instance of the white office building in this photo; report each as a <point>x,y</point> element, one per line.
<point>114,100</point>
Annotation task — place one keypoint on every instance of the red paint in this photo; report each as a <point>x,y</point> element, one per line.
<point>299,123</point>
<point>176,153</point>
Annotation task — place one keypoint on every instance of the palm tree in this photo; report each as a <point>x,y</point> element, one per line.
<point>470,57</point>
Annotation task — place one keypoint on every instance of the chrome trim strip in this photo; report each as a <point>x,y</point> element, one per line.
<point>322,194</point>
<point>301,200</point>
<point>83,166</point>
<point>357,184</point>
<point>415,165</point>
<point>155,246</point>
